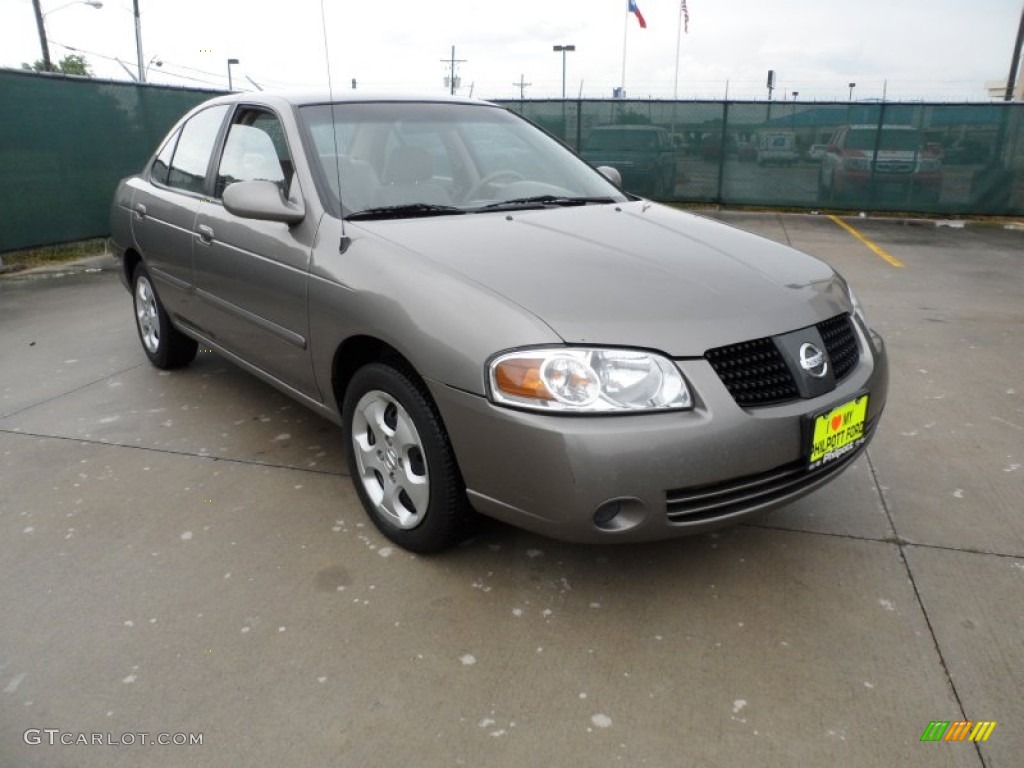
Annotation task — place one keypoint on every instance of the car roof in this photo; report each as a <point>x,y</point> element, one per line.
<point>628,128</point>
<point>308,98</point>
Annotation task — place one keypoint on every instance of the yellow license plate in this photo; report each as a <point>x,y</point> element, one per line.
<point>838,432</point>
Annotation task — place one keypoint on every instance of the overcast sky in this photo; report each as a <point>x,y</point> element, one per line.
<point>941,50</point>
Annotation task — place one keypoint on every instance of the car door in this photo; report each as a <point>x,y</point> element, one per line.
<point>251,275</point>
<point>165,204</point>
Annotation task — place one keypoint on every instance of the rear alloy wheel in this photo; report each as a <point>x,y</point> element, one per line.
<point>164,345</point>
<point>401,461</point>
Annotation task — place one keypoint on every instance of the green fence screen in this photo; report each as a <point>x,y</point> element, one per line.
<point>955,159</point>
<point>64,144</point>
<point>66,141</point>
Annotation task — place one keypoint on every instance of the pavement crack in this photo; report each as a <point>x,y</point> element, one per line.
<point>901,547</point>
<point>67,392</point>
<point>782,223</point>
<point>171,452</point>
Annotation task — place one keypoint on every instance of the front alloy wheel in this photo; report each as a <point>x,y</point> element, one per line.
<point>389,454</point>
<point>401,461</point>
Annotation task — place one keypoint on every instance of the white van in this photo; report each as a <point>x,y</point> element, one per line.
<point>776,147</point>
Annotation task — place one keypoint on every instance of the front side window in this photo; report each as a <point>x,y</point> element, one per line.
<point>255,150</point>
<point>192,155</point>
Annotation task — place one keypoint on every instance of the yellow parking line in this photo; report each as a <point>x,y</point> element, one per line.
<point>877,249</point>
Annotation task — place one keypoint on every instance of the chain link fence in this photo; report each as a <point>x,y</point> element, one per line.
<point>66,141</point>
<point>949,159</point>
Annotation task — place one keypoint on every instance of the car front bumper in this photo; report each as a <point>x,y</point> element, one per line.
<point>664,474</point>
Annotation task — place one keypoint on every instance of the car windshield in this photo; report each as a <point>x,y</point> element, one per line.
<point>895,140</point>
<point>403,159</point>
<point>618,139</point>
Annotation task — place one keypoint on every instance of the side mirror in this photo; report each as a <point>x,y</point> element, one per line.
<point>612,174</point>
<point>261,200</point>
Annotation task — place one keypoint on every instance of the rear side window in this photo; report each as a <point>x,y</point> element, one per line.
<point>162,164</point>
<point>192,155</point>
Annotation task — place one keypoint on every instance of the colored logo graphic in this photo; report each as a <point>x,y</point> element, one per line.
<point>958,730</point>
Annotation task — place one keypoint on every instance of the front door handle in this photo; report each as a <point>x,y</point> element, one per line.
<point>140,211</point>
<point>205,234</point>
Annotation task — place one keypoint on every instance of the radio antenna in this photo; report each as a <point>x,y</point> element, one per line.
<point>345,240</point>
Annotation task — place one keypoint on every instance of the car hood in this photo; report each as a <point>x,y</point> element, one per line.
<point>625,155</point>
<point>634,274</point>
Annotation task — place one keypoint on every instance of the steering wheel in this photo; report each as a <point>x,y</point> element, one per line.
<point>490,178</point>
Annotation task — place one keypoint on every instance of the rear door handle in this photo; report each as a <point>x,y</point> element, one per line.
<point>140,211</point>
<point>205,233</point>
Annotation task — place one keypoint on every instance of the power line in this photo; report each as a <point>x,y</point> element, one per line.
<point>115,60</point>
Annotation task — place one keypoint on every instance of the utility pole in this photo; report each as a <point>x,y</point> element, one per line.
<point>1015,63</point>
<point>522,85</point>
<point>47,66</point>
<point>452,80</point>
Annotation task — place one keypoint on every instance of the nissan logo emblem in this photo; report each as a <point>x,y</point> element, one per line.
<point>813,361</point>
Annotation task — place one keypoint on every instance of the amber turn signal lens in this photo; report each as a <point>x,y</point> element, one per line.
<point>521,377</point>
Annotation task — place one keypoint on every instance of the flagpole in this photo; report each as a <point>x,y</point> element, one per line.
<point>625,37</point>
<point>679,37</point>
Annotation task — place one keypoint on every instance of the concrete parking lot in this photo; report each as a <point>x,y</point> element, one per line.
<point>182,554</point>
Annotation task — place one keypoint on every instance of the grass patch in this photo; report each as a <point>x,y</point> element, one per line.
<point>55,254</point>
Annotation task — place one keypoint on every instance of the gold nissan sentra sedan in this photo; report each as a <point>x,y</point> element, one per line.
<point>497,327</point>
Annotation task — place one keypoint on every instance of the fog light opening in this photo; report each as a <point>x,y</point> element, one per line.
<point>605,515</point>
<point>617,515</point>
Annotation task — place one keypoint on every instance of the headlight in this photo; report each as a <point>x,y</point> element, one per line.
<point>929,165</point>
<point>857,164</point>
<point>587,380</point>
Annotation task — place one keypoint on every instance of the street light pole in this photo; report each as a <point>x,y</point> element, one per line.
<point>231,86</point>
<point>852,86</point>
<point>563,49</point>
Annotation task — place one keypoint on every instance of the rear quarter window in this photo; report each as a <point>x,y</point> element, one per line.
<point>162,164</point>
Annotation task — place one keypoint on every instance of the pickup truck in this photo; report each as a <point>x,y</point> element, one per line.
<point>863,163</point>
<point>642,154</point>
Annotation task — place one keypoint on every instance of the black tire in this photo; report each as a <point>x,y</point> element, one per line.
<point>401,460</point>
<point>164,345</point>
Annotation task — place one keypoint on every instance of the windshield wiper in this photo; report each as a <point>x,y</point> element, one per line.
<point>408,211</point>
<point>541,201</point>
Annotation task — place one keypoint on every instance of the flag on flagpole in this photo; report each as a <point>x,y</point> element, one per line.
<point>639,16</point>
<point>686,18</point>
